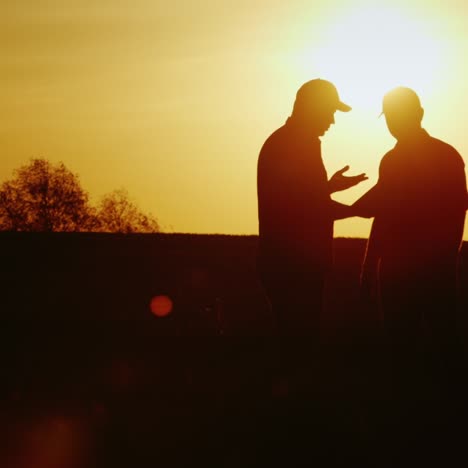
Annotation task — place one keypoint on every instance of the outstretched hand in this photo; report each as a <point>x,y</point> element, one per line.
<point>340,182</point>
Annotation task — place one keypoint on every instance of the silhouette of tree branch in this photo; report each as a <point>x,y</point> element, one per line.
<point>43,197</point>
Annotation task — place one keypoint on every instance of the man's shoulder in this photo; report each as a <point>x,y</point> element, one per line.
<point>446,150</point>
<point>273,150</point>
<point>387,157</point>
<point>443,145</point>
<point>275,141</point>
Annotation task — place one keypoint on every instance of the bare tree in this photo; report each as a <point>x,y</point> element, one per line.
<point>118,213</point>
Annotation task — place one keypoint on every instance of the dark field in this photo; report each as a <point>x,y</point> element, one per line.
<point>90,377</point>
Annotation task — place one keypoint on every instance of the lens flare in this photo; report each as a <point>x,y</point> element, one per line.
<point>161,306</point>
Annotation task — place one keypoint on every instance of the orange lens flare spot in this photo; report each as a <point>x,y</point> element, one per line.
<point>161,306</point>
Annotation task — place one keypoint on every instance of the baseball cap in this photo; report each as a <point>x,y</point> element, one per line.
<point>400,99</point>
<point>319,90</point>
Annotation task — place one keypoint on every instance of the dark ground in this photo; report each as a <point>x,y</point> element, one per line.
<point>91,378</point>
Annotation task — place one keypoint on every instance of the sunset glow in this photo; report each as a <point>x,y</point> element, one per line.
<point>371,49</point>
<point>173,101</point>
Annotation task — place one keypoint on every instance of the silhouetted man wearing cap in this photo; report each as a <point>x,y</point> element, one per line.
<point>419,205</point>
<point>296,212</point>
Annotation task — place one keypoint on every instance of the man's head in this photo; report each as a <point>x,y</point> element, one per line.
<point>403,112</point>
<point>316,104</point>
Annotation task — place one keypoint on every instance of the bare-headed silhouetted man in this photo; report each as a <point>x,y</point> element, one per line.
<point>296,212</point>
<point>419,205</point>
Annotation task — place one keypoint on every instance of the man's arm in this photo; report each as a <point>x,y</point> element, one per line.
<point>369,278</point>
<point>367,206</point>
<point>372,201</point>
<point>374,248</point>
<point>341,211</point>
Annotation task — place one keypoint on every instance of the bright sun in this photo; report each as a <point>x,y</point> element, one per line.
<point>370,50</point>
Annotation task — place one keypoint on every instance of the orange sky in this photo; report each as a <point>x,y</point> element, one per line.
<point>173,100</point>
